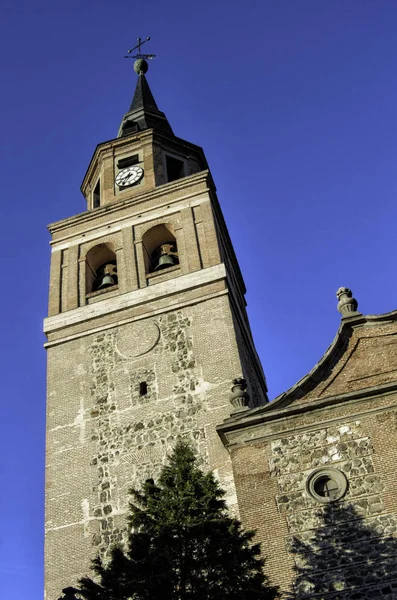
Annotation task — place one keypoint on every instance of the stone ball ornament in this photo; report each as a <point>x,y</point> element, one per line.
<point>239,398</point>
<point>347,304</point>
<point>141,66</point>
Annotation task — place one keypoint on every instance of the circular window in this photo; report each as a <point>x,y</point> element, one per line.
<point>326,485</point>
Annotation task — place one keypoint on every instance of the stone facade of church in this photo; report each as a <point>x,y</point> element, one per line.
<point>315,469</point>
<point>147,329</point>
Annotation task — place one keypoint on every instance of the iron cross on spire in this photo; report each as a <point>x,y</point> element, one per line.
<point>140,55</point>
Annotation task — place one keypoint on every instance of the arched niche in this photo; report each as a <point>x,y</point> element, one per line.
<point>160,248</point>
<point>101,266</point>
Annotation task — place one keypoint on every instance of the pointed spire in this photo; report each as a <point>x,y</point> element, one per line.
<point>143,112</point>
<point>143,96</point>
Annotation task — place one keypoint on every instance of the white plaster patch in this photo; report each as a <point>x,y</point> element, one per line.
<point>345,429</point>
<point>60,427</point>
<point>203,386</point>
<point>80,421</point>
<point>231,501</point>
<point>81,370</point>
<point>227,484</point>
<point>276,447</point>
<point>85,507</point>
<point>333,450</point>
<point>64,449</point>
<point>56,496</point>
<point>215,473</point>
<point>331,439</point>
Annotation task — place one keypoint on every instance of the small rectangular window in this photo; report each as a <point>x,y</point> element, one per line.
<point>130,127</point>
<point>143,388</point>
<point>96,196</point>
<point>175,168</point>
<point>128,162</point>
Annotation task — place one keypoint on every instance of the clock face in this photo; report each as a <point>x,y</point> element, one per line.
<point>129,176</point>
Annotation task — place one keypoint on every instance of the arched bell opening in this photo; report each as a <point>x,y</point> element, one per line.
<point>160,248</point>
<point>101,268</point>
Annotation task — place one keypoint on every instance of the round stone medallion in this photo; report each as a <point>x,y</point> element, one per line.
<point>135,339</point>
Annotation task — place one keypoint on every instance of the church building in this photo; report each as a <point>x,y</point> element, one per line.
<point>147,332</point>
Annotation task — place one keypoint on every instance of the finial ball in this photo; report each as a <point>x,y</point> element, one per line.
<point>140,66</point>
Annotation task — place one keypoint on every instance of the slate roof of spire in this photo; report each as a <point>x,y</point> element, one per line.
<point>143,112</point>
<point>143,96</point>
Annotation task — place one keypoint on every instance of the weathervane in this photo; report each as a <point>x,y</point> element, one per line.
<point>140,56</point>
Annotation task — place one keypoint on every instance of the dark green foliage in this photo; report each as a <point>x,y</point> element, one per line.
<point>182,545</point>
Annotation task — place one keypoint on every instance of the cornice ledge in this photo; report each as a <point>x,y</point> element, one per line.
<point>384,317</point>
<point>267,413</point>
<point>175,139</point>
<point>90,312</point>
<point>90,215</point>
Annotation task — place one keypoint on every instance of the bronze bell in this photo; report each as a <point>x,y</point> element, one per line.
<point>106,276</point>
<point>166,258</point>
<point>107,281</point>
<point>165,261</point>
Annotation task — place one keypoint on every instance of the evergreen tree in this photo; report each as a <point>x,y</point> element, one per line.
<point>183,545</point>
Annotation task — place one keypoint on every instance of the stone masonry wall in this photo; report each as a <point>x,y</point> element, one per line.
<point>144,441</point>
<point>118,401</point>
<point>343,550</point>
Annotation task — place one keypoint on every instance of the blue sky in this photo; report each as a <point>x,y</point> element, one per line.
<point>294,103</point>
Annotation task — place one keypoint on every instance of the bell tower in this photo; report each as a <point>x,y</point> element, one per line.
<point>146,330</point>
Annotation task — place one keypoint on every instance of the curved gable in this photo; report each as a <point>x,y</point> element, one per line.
<point>362,355</point>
